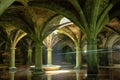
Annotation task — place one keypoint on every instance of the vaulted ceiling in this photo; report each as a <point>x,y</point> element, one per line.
<point>40,8</point>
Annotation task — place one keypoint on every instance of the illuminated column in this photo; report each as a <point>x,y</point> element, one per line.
<point>78,58</point>
<point>12,59</point>
<point>49,56</point>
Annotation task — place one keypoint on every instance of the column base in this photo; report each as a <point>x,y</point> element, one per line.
<point>12,68</point>
<point>77,67</point>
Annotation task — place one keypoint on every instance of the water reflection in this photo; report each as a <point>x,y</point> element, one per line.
<point>29,75</point>
<point>26,74</point>
<point>49,77</point>
<point>78,75</point>
<point>92,77</point>
<point>37,77</point>
<point>11,75</point>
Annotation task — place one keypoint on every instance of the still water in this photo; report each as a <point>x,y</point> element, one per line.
<point>66,74</point>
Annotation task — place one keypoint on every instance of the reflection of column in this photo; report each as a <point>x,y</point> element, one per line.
<point>111,74</point>
<point>92,77</point>
<point>37,76</point>
<point>110,57</point>
<point>78,77</point>
<point>49,77</point>
<point>29,75</point>
<point>11,75</point>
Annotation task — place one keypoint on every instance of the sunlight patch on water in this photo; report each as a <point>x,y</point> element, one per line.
<point>58,72</point>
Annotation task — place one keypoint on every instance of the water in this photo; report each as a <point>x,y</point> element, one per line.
<point>24,73</point>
